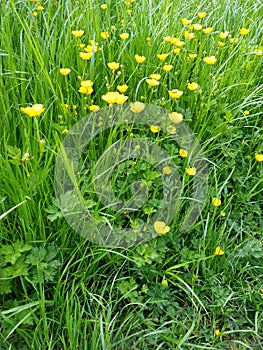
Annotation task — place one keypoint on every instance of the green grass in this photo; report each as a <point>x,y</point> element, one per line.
<point>61,291</point>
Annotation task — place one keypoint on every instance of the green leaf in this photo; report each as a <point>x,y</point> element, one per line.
<point>5,286</point>
<point>14,154</point>
<point>13,252</point>
<point>53,210</point>
<point>129,289</point>
<point>46,266</point>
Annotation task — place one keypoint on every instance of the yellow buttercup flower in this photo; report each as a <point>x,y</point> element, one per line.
<point>185,21</point>
<point>161,227</point>
<point>122,88</point>
<point>103,6</point>
<point>137,107</point>
<point>167,170</point>
<point>163,56</point>
<point>233,40</point>
<point>219,251</point>
<point>113,27</point>
<point>113,66</point>
<point>64,71</point>
<point>86,87</point>
<point>223,35</point>
<point>258,51</point>
<point>155,128</point>
<point>139,59</point>
<point>94,108</point>
<point>104,35</point>
<point>85,55</point>
<point>39,8</point>
<point>87,83</point>
<point>176,117</point>
<point>124,36</point>
<point>85,90</point>
<point>183,152</point>
<point>91,48</point>
<point>168,67</point>
<point>175,93</point>
<point>167,39</point>
<point>189,35</point>
<point>152,82</point>
<point>208,30</point>
<point>35,13</point>
<point>222,213</point>
<point>171,129</point>
<point>155,76</point>
<point>191,171</point>
<point>77,33</point>
<point>217,332</point>
<point>92,42</point>
<point>201,14</point>
<point>197,26</point>
<point>33,111</point>
<point>177,50</point>
<point>192,86</point>
<point>244,31</point>
<point>259,157</point>
<point>114,97</point>
<point>221,43</point>
<point>179,43</point>
<point>120,99</point>
<point>174,41</point>
<point>216,202</point>
<point>192,56</point>
<point>210,59</point>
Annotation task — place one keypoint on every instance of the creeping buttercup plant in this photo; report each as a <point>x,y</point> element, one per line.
<point>12,264</point>
<point>37,264</point>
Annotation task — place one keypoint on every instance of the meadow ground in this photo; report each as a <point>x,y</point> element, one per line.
<point>200,288</point>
